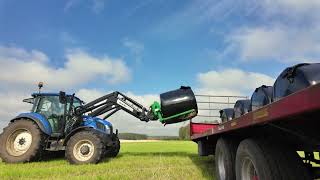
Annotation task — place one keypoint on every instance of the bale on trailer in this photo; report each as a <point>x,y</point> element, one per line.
<point>261,97</point>
<point>226,114</point>
<point>296,78</point>
<point>241,107</point>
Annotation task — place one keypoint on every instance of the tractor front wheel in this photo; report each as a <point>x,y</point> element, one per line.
<point>113,151</point>
<point>85,147</point>
<point>21,141</point>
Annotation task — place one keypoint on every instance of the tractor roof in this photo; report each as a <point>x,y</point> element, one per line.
<point>48,94</point>
<point>44,94</point>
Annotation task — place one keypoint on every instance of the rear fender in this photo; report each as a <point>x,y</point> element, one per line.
<point>41,121</point>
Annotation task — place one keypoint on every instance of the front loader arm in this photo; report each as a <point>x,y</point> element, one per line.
<point>113,102</point>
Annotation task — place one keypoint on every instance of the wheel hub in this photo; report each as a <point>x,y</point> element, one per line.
<point>22,141</point>
<point>248,170</point>
<point>19,142</point>
<point>85,150</point>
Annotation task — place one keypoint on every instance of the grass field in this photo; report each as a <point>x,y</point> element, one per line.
<point>137,160</point>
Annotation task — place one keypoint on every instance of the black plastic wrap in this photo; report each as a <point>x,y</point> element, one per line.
<point>241,107</point>
<point>226,114</point>
<point>296,78</point>
<point>178,101</point>
<point>261,97</point>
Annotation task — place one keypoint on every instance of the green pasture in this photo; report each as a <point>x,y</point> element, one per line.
<point>137,160</point>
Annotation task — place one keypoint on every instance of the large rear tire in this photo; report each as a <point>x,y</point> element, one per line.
<point>225,156</point>
<point>85,147</point>
<point>21,141</point>
<point>267,160</point>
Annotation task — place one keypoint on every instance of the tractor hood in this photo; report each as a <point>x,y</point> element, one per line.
<point>98,124</point>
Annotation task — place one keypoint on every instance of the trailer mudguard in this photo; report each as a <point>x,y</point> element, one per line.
<point>41,121</point>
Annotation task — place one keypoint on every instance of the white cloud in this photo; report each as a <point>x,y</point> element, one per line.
<point>11,105</point>
<point>286,31</point>
<point>19,54</point>
<point>21,67</point>
<point>310,7</point>
<point>275,30</point>
<point>226,82</point>
<point>21,70</point>
<point>232,81</point>
<point>282,43</point>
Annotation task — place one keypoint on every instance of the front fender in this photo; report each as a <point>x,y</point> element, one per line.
<point>105,137</point>
<point>41,121</point>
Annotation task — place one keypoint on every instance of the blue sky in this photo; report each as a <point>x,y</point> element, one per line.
<point>152,46</point>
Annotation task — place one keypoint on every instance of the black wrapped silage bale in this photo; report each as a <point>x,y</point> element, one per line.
<point>261,97</point>
<point>178,101</point>
<point>241,107</point>
<point>226,114</point>
<point>296,78</point>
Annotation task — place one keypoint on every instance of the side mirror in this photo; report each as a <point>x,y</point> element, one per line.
<point>29,100</point>
<point>62,97</point>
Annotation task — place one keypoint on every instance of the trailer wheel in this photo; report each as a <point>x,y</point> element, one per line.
<point>85,147</point>
<point>267,160</point>
<point>21,141</point>
<point>225,155</point>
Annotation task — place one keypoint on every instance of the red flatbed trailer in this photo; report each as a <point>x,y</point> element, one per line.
<point>290,124</point>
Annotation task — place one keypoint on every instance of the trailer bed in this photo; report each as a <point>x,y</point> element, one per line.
<point>289,108</point>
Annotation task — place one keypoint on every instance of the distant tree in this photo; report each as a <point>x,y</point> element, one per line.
<point>132,136</point>
<point>184,132</point>
<point>163,137</point>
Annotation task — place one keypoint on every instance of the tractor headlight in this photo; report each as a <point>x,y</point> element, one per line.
<point>108,130</point>
<point>104,127</point>
<point>101,126</point>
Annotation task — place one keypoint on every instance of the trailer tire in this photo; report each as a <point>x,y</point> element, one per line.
<point>85,147</point>
<point>22,141</point>
<point>266,160</point>
<point>225,156</point>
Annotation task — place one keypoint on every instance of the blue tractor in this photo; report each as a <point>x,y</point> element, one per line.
<point>60,122</point>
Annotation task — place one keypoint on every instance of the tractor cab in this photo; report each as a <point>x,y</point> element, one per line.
<point>54,107</point>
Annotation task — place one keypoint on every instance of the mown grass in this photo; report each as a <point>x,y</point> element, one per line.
<point>147,160</point>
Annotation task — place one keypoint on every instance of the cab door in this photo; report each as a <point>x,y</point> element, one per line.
<point>51,108</point>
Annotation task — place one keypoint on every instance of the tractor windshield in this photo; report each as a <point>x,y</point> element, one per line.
<point>76,102</point>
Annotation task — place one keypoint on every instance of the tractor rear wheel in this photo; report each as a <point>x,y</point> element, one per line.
<point>21,141</point>
<point>85,147</point>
